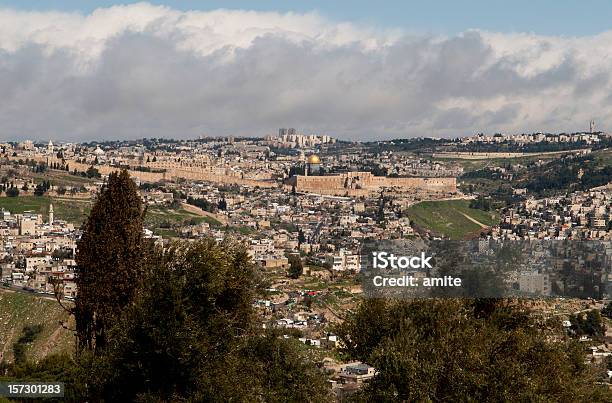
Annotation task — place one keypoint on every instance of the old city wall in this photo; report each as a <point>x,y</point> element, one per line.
<point>324,185</point>
<point>361,183</point>
<point>106,169</point>
<point>170,174</point>
<point>202,175</point>
<point>428,184</point>
<point>319,182</point>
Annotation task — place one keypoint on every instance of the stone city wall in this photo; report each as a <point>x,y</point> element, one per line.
<point>170,174</point>
<point>362,183</point>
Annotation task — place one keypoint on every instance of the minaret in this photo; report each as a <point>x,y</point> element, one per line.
<point>303,161</point>
<point>50,214</point>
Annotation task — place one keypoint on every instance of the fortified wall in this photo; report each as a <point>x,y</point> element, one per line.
<point>363,183</point>
<point>170,174</point>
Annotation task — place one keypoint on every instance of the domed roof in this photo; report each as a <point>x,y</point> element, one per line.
<point>314,159</point>
<point>98,151</point>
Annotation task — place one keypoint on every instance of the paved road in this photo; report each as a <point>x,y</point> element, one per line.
<point>22,291</point>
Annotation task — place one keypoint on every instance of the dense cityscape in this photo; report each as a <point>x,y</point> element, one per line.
<point>304,205</point>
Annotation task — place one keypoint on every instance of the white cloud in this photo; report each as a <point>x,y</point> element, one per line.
<point>143,70</point>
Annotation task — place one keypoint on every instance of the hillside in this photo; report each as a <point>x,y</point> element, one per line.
<point>162,220</point>
<point>452,218</point>
<point>69,209</point>
<point>18,310</point>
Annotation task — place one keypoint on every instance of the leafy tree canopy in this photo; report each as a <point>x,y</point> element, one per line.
<point>433,350</point>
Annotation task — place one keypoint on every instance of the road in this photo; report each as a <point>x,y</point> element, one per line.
<point>196,210</point>
<point>34,294</point>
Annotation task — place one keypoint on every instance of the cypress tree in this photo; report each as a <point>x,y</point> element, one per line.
<point>110,260</point>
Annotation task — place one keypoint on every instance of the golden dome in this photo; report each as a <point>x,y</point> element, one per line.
<point>314,159</point>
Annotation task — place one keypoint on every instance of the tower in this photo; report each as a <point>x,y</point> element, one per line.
<point>592,126</point>
<point>50,214</point>
<point>302,160</point>
<point>50,147</point>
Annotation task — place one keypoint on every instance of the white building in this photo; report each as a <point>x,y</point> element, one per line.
<point>343,260</point>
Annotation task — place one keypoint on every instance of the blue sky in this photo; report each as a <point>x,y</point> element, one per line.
<point>544,17</point>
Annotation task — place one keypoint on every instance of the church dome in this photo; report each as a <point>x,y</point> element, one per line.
<point>314,159</point>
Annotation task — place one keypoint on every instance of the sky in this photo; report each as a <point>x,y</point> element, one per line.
<point>360,70</point>
<point>547,17</point>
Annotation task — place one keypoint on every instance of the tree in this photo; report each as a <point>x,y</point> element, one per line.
<point>593,323</point>
<point>109,260</point>
<point>52,368</point>
<point>190,333</point>
<point>607,310</point>
<point>222,205</point>
<point>169,325</point>
<point>590,325</point>
<point>456,350</point>
<point>93,172</point>
<point>481,203</point>
<point>12,192</point>
<point>39,190</point>
<point>296,268</point>
<point>301,237</point>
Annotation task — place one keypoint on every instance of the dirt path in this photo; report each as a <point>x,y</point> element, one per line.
<point>196,210</point>
<point>474,221</point>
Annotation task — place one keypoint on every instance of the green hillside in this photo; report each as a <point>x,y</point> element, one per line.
<point>71,210</point>
<point>448,217</point>
<point>75,211</point>
<point>18,310</point>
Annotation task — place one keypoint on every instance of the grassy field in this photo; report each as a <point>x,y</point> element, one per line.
<point>71,210</point>
<point>58,178</point>
<point>448,217</point>
<point>604,157</point>
<point>18,310</point>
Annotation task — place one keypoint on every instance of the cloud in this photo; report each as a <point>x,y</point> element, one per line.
<point>149,71</point>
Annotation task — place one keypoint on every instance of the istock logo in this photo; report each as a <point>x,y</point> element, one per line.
<point>383,260</point>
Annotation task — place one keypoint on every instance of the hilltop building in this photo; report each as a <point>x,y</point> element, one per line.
<point>313,165</point>
<point>364,183</point>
